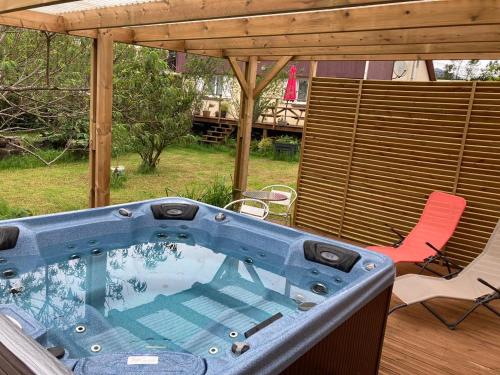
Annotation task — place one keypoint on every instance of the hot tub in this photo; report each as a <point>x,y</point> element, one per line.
<point>179,285</point>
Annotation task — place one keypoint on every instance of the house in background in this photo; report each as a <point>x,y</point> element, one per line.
<point>215,127</point>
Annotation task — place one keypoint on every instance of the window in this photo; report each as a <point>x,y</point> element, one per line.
<point>219,86</point>
<point>302,86</point>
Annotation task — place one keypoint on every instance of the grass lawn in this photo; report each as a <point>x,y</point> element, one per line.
<point>63,187</point>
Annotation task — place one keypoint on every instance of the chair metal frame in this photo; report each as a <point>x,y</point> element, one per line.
<point>242,201</point>
<point>287,216</point>
<point>484,300</point>
<point>440,256</point>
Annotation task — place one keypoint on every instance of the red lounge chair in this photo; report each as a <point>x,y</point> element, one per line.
<point>423,244</point>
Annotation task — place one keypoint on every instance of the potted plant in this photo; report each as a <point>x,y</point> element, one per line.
<point>207,112</point>
<point>286,145</point>
<point>224,108</point>
<point>282,122</point>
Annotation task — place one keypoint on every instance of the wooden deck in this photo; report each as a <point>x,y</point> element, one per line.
<point>257,125</point>
<point>416,343</point>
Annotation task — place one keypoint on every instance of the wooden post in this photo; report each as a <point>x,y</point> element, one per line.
<point>464,136</point>
<point>351,154</point>
<point>101,119</point>
<point>92,135</point>
<point>249,91</point>
<point>243,137</point>
<point>313,69</point>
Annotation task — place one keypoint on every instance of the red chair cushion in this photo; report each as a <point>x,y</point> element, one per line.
<point>436,225</point>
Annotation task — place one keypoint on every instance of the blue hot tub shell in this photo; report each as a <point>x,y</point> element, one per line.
<point>273,349</point>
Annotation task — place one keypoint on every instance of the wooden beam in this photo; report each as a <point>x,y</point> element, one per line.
<point>239,75</point>
<point>396,57</point>
<point>101,113</point>
<point>402,57</point>
<point>244,135</point>
<point>194,10</point>
<point>175,45</point>
<point>15,5</point>
<point>392,49</point>
<point>460,34</point>
<point>33,20</point>
<point>417,14</point>
<point>280,64</point>
<point>28,19</point>
<point>119,35</point>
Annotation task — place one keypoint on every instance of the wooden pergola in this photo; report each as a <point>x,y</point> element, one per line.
<point>246,31</point>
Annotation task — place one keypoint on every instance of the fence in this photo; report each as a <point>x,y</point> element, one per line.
<point>374,150</point>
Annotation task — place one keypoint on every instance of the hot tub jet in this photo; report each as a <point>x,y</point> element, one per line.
<point>319,288</point>
<point>9,273</point>
<point>96,252</point>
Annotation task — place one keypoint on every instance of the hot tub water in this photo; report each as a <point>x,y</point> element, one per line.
<point>171,292</point>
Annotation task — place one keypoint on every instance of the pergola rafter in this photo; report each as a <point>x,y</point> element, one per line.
<point>196,10</point>
<point>249,31</point>
<point>11,6</point>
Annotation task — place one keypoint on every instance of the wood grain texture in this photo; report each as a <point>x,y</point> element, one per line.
<point>379,30</point>
<point>29,358</point>
<point>416,343</point>
<point>244,135</point>
<point>103,117</point>
<point>13,5</point>
<point>411,138</point>
<point>433,13</point>
<point>189,10</point>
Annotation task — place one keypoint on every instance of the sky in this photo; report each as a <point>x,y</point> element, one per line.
<point>441,63</point>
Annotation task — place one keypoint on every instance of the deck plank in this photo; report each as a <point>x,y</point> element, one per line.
<point>417,343</point>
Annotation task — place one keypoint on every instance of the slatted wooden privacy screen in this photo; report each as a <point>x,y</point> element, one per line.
<point>374,150</point>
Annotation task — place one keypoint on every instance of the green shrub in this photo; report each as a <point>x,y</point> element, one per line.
<point>230,142</point>
<point>146,169</point>
<point>216,193</point>
<point>286,156</point>
<point>265,145</point>
<point>9,212</point>
<point>254,145</point>
<point>224,106</point>
<point>118,180</point>
<point>189,139</point>
<point>287,139</point>
<point>121,140</point>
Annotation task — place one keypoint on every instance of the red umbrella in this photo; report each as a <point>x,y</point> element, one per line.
<point>291,87</point>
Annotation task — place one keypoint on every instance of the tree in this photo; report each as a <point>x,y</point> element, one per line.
<point>471,70</point>
<point>491,72</point>
<point>203,70</point>
<point>266,99</point>
<point>43,88</point>
<point>43,79</point>
<point>154,102</point>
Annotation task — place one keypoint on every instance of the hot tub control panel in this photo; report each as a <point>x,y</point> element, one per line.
<point>330,255</point>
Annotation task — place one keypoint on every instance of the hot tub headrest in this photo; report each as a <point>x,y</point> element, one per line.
<point>171,363</point>
<point>174,211</point>
<point>330,255</point>
<point>8,237</point>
